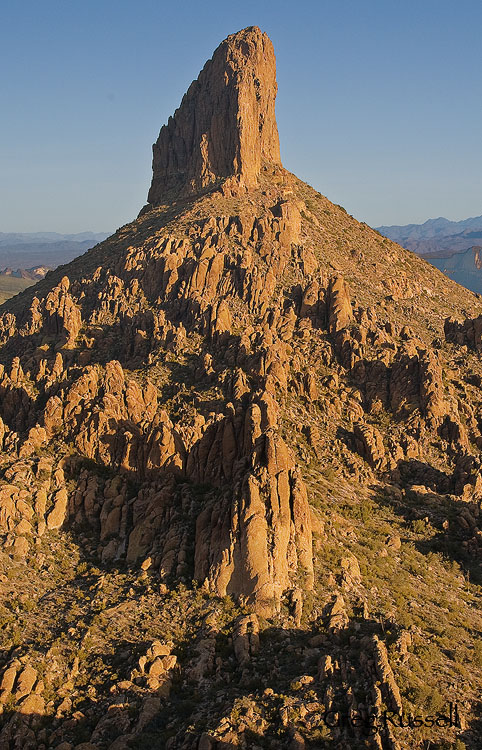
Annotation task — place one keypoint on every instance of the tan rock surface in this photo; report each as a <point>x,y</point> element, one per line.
<point>240,472</point>
<point>226,123</point>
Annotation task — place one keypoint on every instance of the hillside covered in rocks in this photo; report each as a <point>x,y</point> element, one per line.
<point>240,498</point>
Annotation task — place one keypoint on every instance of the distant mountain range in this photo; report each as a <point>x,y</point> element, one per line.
<point>437,236</point>
<point>27,257</point>
<point>23,250</point>
<point>454,247</point>
<point>11,238</point>
<point>33,274</point>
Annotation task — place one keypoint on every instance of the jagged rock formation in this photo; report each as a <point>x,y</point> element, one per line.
<point>240,464</point>
<point>225,126</point>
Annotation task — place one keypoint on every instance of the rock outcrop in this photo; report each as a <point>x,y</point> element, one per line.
<point>240,472</point>
<point>225,126</point>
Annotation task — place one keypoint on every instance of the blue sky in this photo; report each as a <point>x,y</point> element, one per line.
<point>379,103</point>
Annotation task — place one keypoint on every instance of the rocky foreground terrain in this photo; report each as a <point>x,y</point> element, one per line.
<point>240,497</point>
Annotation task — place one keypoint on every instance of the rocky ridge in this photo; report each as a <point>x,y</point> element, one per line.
<point>225,431</point>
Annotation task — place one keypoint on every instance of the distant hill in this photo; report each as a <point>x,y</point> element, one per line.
<point>11,238</point>
<point>454,247</point>
<point>34,274</point>
<point>23,250</point>
<point>52,254</point>
<point>465,268</point>
<point>26,257</point>
<point>437,235</point>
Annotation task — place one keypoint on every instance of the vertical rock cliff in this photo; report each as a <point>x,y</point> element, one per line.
<point>225,126</point>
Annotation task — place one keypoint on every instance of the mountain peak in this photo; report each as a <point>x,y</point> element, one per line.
<point>225,125</point>
<point>240,457</point>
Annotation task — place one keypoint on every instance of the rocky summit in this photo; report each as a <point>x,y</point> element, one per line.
<point>240,499</point>
<point>225,126</point>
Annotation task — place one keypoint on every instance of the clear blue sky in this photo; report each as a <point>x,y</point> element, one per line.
<point>379,103</point>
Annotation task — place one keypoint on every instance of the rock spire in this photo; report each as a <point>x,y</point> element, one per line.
<point>226,123</point>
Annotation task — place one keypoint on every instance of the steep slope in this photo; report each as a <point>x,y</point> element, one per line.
<point>240,470</point>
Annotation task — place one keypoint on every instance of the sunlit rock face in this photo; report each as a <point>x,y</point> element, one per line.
<point>226,123</point>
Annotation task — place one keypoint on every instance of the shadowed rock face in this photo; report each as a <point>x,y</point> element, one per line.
<point>226,123</point>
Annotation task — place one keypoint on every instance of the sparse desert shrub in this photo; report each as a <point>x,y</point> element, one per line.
<point>329,474</point>
<point>419,526</point>
<point>364,511</point>
<point>477,655</point>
